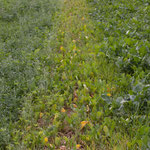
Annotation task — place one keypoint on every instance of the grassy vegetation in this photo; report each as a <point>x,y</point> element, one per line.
<point>84,85</point>
<point>25,27</point>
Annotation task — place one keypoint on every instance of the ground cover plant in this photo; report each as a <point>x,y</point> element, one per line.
<point>90,87</point>
<point>24,30</point>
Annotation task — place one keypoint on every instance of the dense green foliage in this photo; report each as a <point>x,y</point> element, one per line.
<point>24,29</point>
<point>76,79</point>
<point>123,29</point>
<point>124,37</point>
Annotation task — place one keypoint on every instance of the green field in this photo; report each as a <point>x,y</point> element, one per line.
<point>75,74</point>
<point>25,27</point>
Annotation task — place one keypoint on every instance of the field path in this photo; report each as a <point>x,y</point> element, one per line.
<point>71,114</point>
<point>81,75</point>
